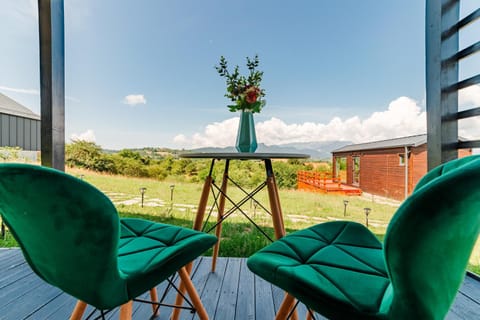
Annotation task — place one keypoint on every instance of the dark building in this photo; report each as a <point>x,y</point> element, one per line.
<point>19,126</point>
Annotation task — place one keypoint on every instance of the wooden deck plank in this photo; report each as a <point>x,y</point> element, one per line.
<point>170,297</point>
<point>27,304</point>
<point>172,294</point>
<point>144,310</point>
<point>12,275</point>
<point>10,258</point>
<point>211,292</point>
<point>199,279</point>
<point>60,307</point>
<point>471,288</point>
<point>16,290</point>
<point>245,299</point>
<point>3,250</point>
<point>227,302</point>
<point>463,307</point>
<point>264,308</point>
<point>232,292</point>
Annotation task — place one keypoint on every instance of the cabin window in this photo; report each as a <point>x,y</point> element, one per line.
<point>341,169</point>
<point>401,159</point>
<point>356,170</point>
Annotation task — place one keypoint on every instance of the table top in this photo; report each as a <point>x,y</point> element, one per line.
<point>243,155</point>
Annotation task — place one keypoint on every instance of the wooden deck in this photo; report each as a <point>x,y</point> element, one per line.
<point>321,183</point>
<point>232,292</point>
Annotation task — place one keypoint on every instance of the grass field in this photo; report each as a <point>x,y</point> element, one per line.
<point>239,237</point>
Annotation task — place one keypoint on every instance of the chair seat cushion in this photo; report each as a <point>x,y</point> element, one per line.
<point>154,250</point>
<point>339,263</point>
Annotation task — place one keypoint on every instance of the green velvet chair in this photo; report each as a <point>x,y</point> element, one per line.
<point>340,270</point>
<point>72,237</point>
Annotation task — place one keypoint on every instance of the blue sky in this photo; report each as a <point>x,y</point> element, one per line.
<point>141,73</point>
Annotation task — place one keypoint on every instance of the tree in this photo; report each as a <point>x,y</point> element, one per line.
<point>82,154</point>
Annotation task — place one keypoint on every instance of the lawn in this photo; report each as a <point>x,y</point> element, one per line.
<point>175,202</point>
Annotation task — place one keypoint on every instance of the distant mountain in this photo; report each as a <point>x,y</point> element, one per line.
<point>316,150</point>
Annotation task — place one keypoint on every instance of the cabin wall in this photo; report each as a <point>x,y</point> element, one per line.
<point>383,174</point>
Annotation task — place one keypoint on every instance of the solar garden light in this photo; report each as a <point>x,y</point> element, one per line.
<point>367,212</point>
<point>345,203</point>
<point>172,187</point>
<point>255,205</point>
<point>142,192</point>
<point>2,230</point>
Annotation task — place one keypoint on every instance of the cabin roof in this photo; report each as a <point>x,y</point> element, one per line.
<point>410,141</point>
<point>11,107</point>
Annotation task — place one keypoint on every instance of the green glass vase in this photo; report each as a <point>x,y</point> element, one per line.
<point>246,138</point>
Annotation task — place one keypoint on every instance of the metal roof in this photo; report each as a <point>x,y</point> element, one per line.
<point>411,141</point>
<point>11,107</point>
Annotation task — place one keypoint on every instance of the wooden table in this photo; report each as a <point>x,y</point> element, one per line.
<point>210,185</point>
<point>221,192</point>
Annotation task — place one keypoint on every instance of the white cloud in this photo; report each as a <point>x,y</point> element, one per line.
<point>469,97</point>
<point>403,117</point>
<point>134,99</point>
<point>88,136</point>
<point>217,134</point>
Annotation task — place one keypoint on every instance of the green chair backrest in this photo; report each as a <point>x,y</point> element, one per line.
<point>67,229</point>
<point>430,238</point>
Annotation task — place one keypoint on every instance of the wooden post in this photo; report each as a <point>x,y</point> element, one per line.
<point>52,83</point>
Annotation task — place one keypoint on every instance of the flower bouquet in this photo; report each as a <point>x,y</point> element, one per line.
<point>245,91</point>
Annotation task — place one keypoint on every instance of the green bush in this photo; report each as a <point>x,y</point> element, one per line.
<point>160,165</point>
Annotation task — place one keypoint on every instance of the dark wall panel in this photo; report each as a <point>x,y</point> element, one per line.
<point>19,132</point>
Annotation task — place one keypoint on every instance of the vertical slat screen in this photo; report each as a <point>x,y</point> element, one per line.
<point>443,26</point>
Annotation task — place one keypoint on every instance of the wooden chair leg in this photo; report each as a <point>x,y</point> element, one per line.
<point>126,311</point>
<point>179,298</point>
<point>309,314</point>
<point>78,311</point>
<point>192,293</point>
<point>154,298</point>
<point>294,315</point>
<point>285,308</point>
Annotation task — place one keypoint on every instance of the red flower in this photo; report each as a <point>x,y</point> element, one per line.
<point>251,94</point>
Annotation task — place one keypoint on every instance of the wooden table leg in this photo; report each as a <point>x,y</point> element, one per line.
<point>202,205</point>
<point>197,225</point>
<point>277,217</point>
<point>221,209</point>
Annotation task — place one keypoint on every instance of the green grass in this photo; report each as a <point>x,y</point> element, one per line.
<point>239,237</point>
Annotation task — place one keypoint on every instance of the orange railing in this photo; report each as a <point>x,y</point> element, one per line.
<point>323,182</point>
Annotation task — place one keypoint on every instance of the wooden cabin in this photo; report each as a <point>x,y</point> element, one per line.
<point>388,168</point>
